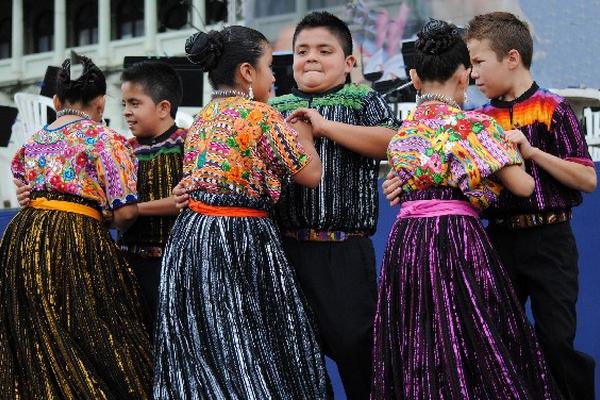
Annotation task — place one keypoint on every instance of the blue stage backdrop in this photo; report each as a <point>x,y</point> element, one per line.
<point>585,225</point>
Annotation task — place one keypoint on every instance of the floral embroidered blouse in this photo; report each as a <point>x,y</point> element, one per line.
<point>81,158</point>
<point>442,146</point>
<point>239,147</point>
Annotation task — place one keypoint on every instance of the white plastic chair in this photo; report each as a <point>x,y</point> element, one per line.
<point>33,110</point>
<point>183,119</point>
<point>592,134</point>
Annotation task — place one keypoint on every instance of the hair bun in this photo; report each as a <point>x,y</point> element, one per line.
<point>204,49</point>
<point>64,73</point>
<point>436,37</point>
<point>89,75</point>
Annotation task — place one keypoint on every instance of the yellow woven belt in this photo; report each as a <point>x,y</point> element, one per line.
<point>68,206</point>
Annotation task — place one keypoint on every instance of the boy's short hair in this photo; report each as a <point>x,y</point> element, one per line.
<point>323,19</point>
<point>159,81</point>
<point>505,32</point>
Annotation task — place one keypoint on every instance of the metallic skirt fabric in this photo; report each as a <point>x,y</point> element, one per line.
<point>232,323</point>
<point>70,323</point>
<point>448,325</point>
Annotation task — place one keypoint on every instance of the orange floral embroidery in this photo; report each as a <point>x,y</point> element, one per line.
<point>234,174</point>
<point>255,116</point>
<point>235,133</point>
<point>242,140</point>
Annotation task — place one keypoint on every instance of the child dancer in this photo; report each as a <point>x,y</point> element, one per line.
<point>533,235</point>
<point>448,323</point>
<point>70,320</point>
<point>232,323</point>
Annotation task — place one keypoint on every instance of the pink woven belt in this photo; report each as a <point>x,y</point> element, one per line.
<point>436,208</point>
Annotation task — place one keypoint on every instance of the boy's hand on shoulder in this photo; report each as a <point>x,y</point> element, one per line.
<point>303,128</point>
<point>517,137</point>
<point>392,188</point>
<point>312,117</point>
<point>23,191</point>
<point>108,219</point>
<point>181,196</point>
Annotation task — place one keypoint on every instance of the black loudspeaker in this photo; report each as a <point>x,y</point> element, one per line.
<point>409,54</point>
<point>191,76</point>
<point>284,74</point>
<point>49,82</point>
<point>49,89</point>
<point>8,115</point>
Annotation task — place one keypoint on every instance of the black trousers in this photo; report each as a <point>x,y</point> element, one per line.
<point>338,281</point>
<point>542,264</point>
<point>147,272</point>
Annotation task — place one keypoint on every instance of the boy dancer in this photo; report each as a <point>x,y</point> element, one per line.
<point>533,235</point>
<point>152,92</point>
<point>326,230</point>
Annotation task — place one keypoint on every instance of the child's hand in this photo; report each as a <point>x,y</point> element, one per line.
<point>304,129</point>
<point>23,191</point>
<point>391,188</point>
<point>182,198</point>
<point>108,218</point>
<point>308,115</point>
<point>517,137</point>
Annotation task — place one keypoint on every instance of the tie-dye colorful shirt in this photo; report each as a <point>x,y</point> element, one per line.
<point>549,124</point>
<point>81,158</point>
<point>442,146</point>
<point>242,149</point>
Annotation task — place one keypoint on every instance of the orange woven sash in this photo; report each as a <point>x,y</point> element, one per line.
<point>68,206</point>
<point>223,211</point>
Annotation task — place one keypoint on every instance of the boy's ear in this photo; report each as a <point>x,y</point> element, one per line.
<point>350,61</point>
<point>164,108</point>
<point>513,58</point>
<point>414,77</point>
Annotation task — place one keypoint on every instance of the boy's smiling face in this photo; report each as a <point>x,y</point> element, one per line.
<point>493,77</point>
<point>143,116</point>
<point>319,61</point>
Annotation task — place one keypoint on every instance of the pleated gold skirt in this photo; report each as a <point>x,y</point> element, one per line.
<point>71,324</point>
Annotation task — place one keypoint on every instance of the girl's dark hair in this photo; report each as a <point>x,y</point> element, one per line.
<point>86,88</point>
<point>220,52</point>
<point>440,51</point>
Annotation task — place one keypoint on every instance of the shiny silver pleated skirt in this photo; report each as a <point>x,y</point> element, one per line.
<point>232,322</point>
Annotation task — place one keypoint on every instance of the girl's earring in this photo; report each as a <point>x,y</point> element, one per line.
<point>251,93</point>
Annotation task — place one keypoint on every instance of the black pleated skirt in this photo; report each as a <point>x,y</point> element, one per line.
<point>70,321</point>
<point>232,322</point>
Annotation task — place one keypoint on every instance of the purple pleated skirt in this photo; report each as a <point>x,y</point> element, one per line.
<point>448,324</point>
